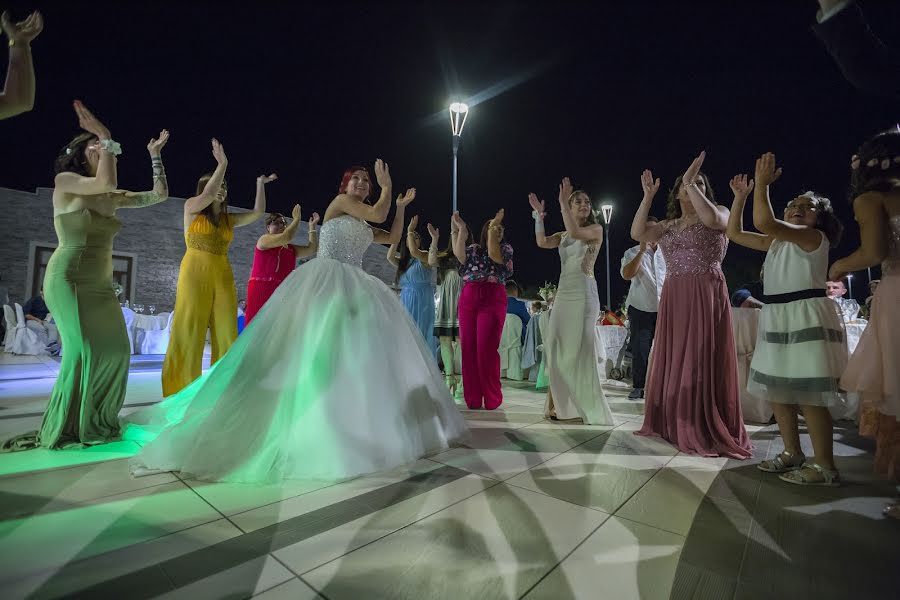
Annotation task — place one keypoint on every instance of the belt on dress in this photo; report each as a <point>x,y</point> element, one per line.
<point>793,296</point>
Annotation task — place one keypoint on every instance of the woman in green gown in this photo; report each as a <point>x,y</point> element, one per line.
<point>90,388</point>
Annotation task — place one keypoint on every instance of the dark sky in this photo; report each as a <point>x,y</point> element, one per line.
<point>601,91</point>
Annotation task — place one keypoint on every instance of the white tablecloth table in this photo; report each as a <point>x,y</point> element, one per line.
<point>142,323</point>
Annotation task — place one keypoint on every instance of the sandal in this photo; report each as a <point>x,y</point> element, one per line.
<point>813,475</point>
<point>780,465</point>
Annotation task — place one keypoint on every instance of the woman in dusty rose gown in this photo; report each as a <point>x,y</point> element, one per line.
<point>872,371</point>
<point>692,397</point>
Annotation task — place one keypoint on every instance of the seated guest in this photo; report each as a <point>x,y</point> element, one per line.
<point>36,313</point>
<point>873,285</point>
<point>836,290</point>
<point>514,306</point>
<point>748,296</point>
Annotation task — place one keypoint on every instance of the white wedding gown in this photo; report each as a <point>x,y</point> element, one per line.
<point>331,380</point>
<point>571,357</point>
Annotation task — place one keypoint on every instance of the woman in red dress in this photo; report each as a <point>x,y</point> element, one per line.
<point>275,257</point>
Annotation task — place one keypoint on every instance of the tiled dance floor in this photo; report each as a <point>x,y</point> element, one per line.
<point>527,509</point>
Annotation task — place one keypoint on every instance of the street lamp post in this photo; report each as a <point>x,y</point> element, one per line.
<point>458,113</point>
<point>607,209</point>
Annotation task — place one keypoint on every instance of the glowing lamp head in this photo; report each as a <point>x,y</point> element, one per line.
<point>606,210</point>
<point>458,113</point>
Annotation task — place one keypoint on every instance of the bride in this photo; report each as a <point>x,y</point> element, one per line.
<point>330,380</point>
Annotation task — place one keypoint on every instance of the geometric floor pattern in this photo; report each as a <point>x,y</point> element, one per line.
<point>527,508</point>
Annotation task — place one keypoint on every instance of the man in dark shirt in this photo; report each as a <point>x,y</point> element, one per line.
<point>36,313</point>
<point>36,309</point>
<point>514,306</point>
<point>748,296</point>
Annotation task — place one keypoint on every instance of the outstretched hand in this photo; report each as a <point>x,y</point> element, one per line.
<point>295,213</point>
<point>693,171</point>
<point>740,186</point>
<point>313,221</point>
<point>404,200</point>
<point>24,31</point>
<point>88,122</point>
<point>413,223</point>
<point>155,145</point>
<point>457,222</point>
<point>498,218</point>
<point>648,184</point>
<point>537,206</point>
<point>382,174</point>
<point>565,190</point>
<point>766,173</point>
<point>264,179</point>
<point>433,232</point>
<point>219,152</point>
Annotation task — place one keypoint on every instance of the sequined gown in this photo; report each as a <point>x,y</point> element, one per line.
<point>873,371</point>
<point>332,380</point>
<point>571,358</point>
<point>692,398</point>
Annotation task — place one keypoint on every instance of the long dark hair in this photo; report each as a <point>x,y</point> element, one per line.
<point>403,262</point>
<point>673,204</point>
<point>826,221</point>
<point>72,159</point>
<point>877,164</point>
<point>208,211</point>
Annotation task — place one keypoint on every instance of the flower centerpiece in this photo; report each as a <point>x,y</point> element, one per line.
<point>547,291</point>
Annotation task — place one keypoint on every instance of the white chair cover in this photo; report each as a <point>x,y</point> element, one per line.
<point>9,315</point>
<point>156,341</point>
<point>129,325</point>
<point>27,341</point>
<point>511,348</point>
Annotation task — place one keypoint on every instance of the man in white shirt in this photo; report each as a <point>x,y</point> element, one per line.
<point>645,268</point>
<point>836,290</point>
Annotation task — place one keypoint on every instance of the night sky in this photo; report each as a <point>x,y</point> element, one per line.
<point>596,91</point>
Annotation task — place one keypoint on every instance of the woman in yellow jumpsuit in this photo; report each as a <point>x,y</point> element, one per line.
<point>206,296</point>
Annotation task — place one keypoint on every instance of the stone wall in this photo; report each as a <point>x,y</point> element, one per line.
<point>153,234</point>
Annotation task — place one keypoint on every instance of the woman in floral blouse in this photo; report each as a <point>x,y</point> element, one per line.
<point>484,267</point>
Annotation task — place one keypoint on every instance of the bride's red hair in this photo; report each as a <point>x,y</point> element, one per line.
<point>345,180</point>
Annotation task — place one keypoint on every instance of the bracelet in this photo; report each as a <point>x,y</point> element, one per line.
<point>111,146</point>
<point>538,226</point>
<point>536,216</point>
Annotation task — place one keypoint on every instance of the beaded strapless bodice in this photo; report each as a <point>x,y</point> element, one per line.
<point>206,236</point>
<point>577,256</point>
<point>695,250</point>
<point>891,263</point>
<point>346,239</point>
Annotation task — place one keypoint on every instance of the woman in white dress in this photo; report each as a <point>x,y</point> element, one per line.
<point>571,359</point>
<point>308,390</point>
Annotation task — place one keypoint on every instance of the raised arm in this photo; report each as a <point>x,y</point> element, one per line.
<point>106,178</point>
<point>764,219</point>
<point>373,213</point>
<point>871,216</point>
<point>196,204</point>
<point>641,229</point>
<point>160,189</point>
<point>395,235</point>
<point>313,246</point>
<point>392,254</point>
<point>631,267</point>
<point>459,242</point>
<point>591,233</point>
<point>495,234</point>
<point>711,215</point>
<point>433,248</point>
<point>259,205</point>
<point>412,242</point>
<point>267,241</point>
<point>735,229</point>
<point>17,96</point>
<point>540,235</point>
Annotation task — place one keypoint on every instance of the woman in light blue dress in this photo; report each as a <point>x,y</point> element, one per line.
<point>416,281</point>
